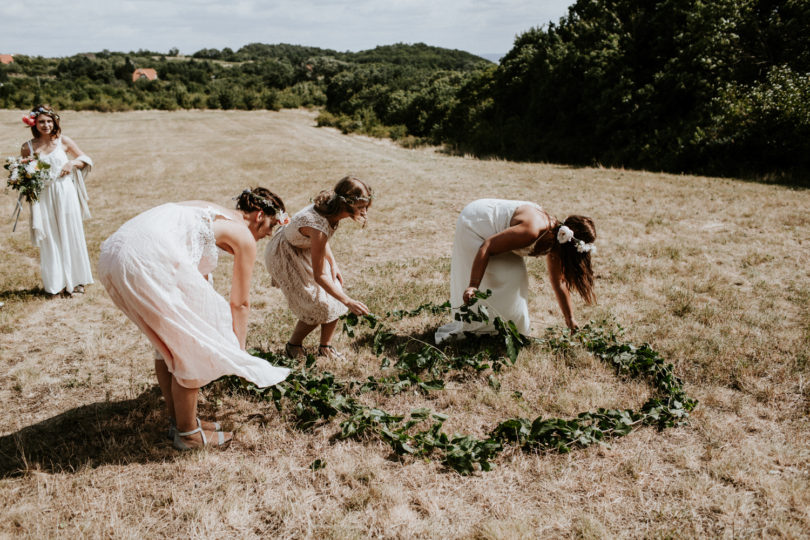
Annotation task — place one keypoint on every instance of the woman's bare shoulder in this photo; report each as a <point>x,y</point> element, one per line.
<point>531,216</point>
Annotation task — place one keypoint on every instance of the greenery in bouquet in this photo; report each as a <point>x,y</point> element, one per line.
<point>27,175</point>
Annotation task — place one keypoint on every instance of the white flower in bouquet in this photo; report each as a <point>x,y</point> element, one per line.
<point>32,167</point>
<point>27,175</point>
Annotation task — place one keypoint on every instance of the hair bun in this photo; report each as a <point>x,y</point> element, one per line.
<point>324,198</point>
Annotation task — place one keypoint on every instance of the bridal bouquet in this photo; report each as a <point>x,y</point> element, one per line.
<point>27,175</point>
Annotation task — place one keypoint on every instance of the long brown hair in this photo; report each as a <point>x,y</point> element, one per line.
<point>576,266</point>
<point>350,189</point>
<point>47,110</point>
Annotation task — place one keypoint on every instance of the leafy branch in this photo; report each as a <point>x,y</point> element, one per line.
<point>317,397</point>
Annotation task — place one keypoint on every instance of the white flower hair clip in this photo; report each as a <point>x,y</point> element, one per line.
<point>282,218</point>
<point>582,247</point>
<point>565,235</point>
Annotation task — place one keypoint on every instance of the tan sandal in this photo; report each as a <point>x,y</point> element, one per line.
<point>295,351</point>
<point>330,352</point>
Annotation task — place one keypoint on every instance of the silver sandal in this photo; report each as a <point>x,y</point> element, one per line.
<point>181,445</point>
<point>173,428</point>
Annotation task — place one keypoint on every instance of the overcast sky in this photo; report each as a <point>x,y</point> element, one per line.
<point>66,27</point>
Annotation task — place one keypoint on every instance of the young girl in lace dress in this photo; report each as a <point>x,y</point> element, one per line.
<point>302,265</point>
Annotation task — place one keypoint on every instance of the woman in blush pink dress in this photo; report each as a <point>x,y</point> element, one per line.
<point>156,267</point>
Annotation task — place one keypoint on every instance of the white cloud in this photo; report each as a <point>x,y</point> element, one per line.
<point>476,26</point>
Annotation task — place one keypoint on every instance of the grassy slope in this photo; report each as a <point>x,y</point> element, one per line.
<point>712,272</point>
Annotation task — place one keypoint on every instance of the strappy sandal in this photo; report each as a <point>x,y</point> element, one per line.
<point>330,352</point>
<point>215,426</point>
<point>295,351</point>
<point>181,445</point>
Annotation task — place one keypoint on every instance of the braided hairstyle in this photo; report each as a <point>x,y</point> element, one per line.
<point>349,190</point>
<point>259,198</point>
<point>47,110</point>
<point>576,266</point>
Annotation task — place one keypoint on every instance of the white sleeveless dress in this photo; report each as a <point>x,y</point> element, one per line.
<point>289,261</point>
<point>63,259</point>
<point>154,270</point>
<point>505,276</point>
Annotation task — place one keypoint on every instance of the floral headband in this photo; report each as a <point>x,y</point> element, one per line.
<point>269,208</point>
<point>355,199</point>
<point>565,235</point>
<point>30,119</point>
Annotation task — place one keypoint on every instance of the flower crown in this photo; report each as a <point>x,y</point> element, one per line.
<point>30,119</point>
<point>565,235</point>
<point>353,199</point>
<point>268,207</point>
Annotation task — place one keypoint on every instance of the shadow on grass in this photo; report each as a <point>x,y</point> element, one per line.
<point>116,432</point>
<point>21,295</point>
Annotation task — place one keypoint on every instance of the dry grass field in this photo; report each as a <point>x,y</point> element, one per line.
<point>713,273</point>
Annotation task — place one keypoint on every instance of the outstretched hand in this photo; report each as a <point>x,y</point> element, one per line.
<point>358,308</point>
<point>469,293</point>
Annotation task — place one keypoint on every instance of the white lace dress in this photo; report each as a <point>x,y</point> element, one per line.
<point>63,259</point>
<point>289,261</point>
<point>154,270</point>
<point>505,276</point>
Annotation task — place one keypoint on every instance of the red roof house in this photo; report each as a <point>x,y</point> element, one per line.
<point>144,73</point>
<point>6,59</point>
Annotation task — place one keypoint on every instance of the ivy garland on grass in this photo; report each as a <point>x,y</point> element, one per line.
<point>317,397</point>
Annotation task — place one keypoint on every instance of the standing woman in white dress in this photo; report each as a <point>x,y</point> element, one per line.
<point>492,237</point>
<point>302,265</point>
<point>56,220</point>
<point>156,269</point>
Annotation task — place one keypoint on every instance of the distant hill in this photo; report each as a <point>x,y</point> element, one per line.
<point>418,55</point>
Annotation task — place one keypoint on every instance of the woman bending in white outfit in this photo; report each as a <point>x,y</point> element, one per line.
<point>492,237</point>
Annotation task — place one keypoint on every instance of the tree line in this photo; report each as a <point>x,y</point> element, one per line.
<point>717,87</point>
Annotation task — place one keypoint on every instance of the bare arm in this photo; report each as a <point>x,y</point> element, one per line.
<point>73,148</point>
<point>527,228</point>
<point>561,290</point>
<point>318,250</point>
<point>330,258</point>
<point>236,239</point>
<point>25,151</point>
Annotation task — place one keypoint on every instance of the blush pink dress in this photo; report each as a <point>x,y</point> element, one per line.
<point>154,270</point>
